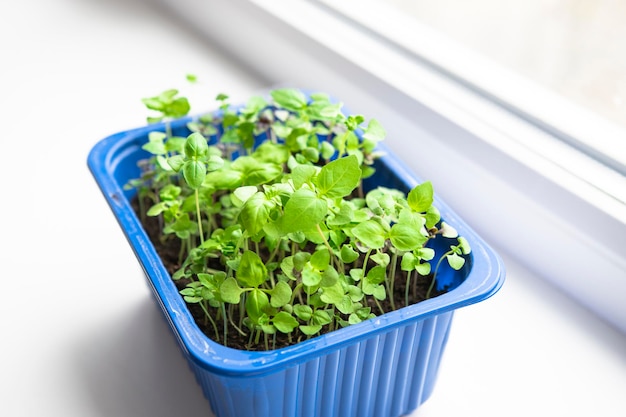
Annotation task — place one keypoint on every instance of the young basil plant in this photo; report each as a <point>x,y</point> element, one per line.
<point>278,239</point>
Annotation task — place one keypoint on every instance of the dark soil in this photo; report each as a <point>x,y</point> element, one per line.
<point>169,251</point>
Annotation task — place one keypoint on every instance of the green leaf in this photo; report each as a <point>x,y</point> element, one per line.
<point>302,174</point>
<point>334,294</point>
<point>256,304</point>
<point>267,328</point>
<point>303,211</point>
<point>241,194</point>
<point>426,253</point>
<point>328,150</point>
<point>408,261</point>
<point>300,259</point>
<point>374,132</point>
<point>371,233</point>
<point>161,162</point>
<point>255,213</point>
<point>178,108</point>
<point>345,215</point>
<point>251,271</point>
<point>156,144</point>
<point>355,293</point>
<point>176,144</point>
<point>381,258</point>
<point>303,312</point>
<point>183,226</point>
<point>280,294</point>
<point>176,162</point>
<point>286,266</point>
<point>196,146</point>
<point>421,197</point>
<point>423,268</point>
<point>310,330</point>
<point>320,259</point>
<point>284,322</point>
<point>311,154</point>
<point>455,261</point>
<point>348,255</point>
<point>256,172</point>
<point>324,110</point>
<point>290,99</point>
<point>230,291</point>
<point>432,217</point>
<point>321,317</point>
<point>464,246</point>
<point>272,152</point>
<point>188,291</point>
<point>329,277</point>
<point>448,231</point>
<point>379,292</point>
<point>225,179</point>
<point>194,173</point>
<point>356,274</point>
<point>354,319</point>
<point>157,209</point>
<point>376,275</point>
<point>339,177</point>
<point>405,237</point>
<point>311,277</point>
<point>152,103</point>
<point>214,163</point>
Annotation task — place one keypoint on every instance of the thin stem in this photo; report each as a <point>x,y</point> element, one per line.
<point>273,254</point>
<point>252,333</point>
<point>432,283</point>
<point>198,215</point>
<point>225,324</point>
<point>319,230</point>
<point>208,316</point>
<point>414,289</point>
<point>380,307</point>
<point>272,280</point>
<point>406,289</point>
<point>366,260</point>
<point>392,279</point>
<point>181,254</point>
<point>330,249</point>
<point>242,308</point>
<point>230,319</point>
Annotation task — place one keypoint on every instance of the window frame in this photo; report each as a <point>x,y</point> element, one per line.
<point>567,228</point>
<point>582,129</point>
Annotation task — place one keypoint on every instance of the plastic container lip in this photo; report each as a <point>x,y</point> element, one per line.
<point>484,279</point>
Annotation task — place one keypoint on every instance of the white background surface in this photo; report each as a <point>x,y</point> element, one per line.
<point>80,333</point>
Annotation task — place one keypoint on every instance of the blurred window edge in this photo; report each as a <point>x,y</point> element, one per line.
<point>539,198</point>
<point>583,129</point>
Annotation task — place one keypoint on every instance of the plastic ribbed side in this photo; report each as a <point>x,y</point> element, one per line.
<point>388,375</point>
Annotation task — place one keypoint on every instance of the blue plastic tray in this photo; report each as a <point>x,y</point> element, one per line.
<point>383,367</point>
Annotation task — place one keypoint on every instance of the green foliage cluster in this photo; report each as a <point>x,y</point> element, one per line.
<point>276,233</point>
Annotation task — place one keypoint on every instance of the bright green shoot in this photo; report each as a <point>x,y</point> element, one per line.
<point>278,238</point>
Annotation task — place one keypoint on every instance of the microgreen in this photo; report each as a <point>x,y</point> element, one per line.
<point>276,233</point>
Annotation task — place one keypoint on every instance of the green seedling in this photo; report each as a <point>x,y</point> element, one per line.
<point>277,236</point>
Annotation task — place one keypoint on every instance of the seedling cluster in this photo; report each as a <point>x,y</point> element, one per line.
<point>276,233</point>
